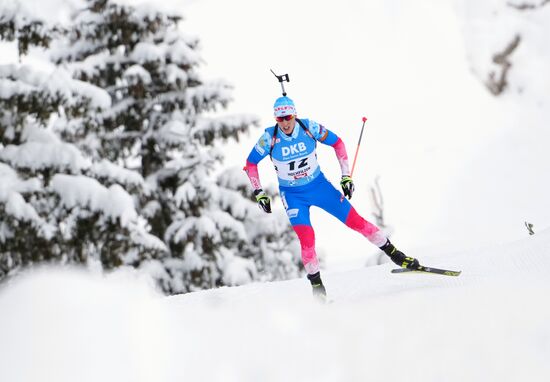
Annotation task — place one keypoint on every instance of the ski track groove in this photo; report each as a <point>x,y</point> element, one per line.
<point>486,265</point>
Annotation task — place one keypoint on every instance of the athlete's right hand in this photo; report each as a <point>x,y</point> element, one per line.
<point>264,202</point>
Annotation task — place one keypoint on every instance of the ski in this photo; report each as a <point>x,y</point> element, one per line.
<point>423,269</point>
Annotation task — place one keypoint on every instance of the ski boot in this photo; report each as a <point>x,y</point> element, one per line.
<point>319,291</point>
<point>399,257</point>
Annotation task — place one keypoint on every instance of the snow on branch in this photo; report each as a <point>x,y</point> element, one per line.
<point>117,174</point>
<point>207,96</point>
<point>234,178</point>
<point>82,191</point>
<point>174,74</point>
<point>210,129</point>
<point>15,205</point>
<point>23,12</point>
<point>43,150</point>
<point>17,79</point>
<point>18,23</point>
<point>226,222</point>
<point>137,73</point>
<point>174,132</point>
<point>182,53</point>
<point>233,202</point>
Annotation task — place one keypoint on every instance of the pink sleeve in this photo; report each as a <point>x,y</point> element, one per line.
<point>342,156</point>
<point>251,170</point>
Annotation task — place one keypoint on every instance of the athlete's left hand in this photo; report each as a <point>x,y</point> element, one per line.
<point>347,186</point>
<point>263,200</point>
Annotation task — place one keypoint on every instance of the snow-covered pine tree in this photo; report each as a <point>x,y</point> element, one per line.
<point>52,206</point>
<point>161,126</point>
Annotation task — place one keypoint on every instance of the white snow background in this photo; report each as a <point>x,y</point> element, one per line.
<point>460,172</point>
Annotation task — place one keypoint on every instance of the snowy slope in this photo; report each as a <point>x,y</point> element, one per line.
<point>489,324</point>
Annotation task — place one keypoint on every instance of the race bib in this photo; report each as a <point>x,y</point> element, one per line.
<point>296,169</point>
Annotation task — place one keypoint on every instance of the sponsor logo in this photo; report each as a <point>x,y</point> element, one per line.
<point>292,213</point>
<point>260,149</point>
<point>284,108</point>
<point>262,145</point>
<point>294,149</point>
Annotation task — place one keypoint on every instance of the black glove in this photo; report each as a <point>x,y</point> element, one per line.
<point>347,186</point>
<point>263,200</point>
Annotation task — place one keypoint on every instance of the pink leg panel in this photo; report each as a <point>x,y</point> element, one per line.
<point>306,235</point>
<point>367,229</point>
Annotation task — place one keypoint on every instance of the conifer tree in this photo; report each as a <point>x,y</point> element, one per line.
<point>138,119</point>
<point>53,207</point>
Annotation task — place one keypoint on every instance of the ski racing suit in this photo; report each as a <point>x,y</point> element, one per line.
<point>302,184</point>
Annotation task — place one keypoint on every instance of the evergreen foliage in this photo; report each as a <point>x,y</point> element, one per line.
<point>109,155</point>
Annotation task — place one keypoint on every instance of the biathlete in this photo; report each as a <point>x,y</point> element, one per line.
<point>291,144</point>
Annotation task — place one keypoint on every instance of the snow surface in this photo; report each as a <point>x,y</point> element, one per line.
<point>489,324</point>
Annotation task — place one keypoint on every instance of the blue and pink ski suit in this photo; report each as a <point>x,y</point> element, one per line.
<point>302,184</point>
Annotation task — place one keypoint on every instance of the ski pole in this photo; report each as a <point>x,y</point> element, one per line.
<point>356,152</point>
<point>358,145</point>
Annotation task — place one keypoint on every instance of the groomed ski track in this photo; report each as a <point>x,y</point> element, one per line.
<point>490,324</point>
<point>526,259</point>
